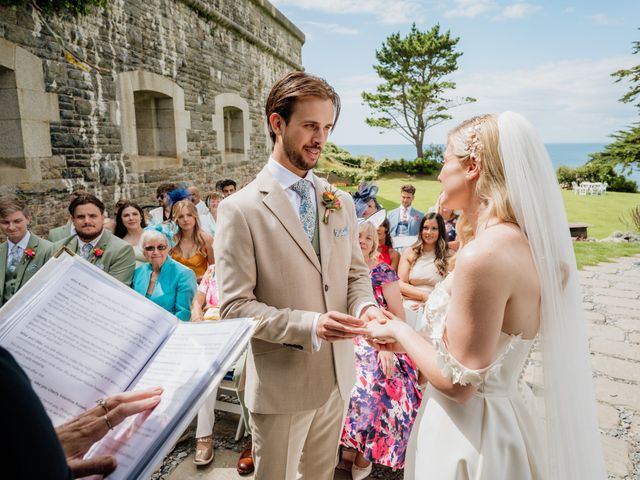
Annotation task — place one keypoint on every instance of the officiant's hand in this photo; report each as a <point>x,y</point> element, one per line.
<point>333,326</point>
<point>78,435</point>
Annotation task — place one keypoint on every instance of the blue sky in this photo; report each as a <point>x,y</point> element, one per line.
<point>549,60</point>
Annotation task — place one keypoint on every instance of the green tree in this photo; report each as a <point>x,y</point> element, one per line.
<point>625,149</point>
<point>415,80</point>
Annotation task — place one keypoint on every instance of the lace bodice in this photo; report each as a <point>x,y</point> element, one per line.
<point>505,372</point>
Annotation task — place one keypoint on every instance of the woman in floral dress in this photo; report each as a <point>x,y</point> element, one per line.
<point>385,397</point>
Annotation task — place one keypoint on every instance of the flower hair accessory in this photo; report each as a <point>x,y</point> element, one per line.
<point>331,202</point>
<point>474,145</point>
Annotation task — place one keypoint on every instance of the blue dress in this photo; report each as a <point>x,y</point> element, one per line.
<point>174,290</point>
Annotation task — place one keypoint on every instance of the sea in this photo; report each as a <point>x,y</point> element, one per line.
<point>567,154</point>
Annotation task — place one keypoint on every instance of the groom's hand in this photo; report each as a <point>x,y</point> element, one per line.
<point>333,326</point>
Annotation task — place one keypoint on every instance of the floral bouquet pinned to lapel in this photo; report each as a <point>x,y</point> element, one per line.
<point>331,202</point>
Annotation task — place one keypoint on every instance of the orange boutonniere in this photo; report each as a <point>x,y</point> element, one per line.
<point>331,202</point>
<point>98,252</point>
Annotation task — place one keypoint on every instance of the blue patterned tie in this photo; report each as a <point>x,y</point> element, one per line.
<point>85,251</point>
<point>306,212</point>
<point>14,258</point>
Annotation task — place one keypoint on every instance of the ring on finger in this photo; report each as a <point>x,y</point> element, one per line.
<point>106,420</point>
<point>103,403</point>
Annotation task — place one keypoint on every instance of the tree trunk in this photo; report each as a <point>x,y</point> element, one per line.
<point>419,149</point>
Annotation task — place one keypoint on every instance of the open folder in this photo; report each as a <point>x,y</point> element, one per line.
<point>80,335</point>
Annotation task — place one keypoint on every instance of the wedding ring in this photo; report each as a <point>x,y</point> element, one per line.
<point>106,420</point>
<point>103,403</point>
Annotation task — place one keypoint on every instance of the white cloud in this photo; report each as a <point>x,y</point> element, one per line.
<point>387,11</point>
<point>568,101</point>
<point>569,10</point>
<point>470,8</point>
<point>519,10</point>
<point>330,28</point>
<point>602,19</point>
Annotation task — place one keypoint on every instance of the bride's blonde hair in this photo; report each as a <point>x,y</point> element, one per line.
<point>478,138</point>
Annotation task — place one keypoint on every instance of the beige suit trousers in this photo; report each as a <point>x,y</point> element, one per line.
<point>301,445</point>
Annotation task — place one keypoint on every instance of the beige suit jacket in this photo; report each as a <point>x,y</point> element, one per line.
<point>267,269</point>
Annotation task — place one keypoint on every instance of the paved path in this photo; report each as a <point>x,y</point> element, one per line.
<point>612,305</point>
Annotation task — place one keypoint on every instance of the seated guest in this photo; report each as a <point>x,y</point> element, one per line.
<point>163,212</point>
<point>67,229</point>
<point>387,254</point>
<point>424,264</point>
<point>213,200</point>
<point>365,200</point>
<point>197,200</point>
<point>60,452</point>
<point>206,220</point>
<point>130,225</point>
<point>405,220</point>
<point>192,246</point>
<point>386,396</point>
<point>228,187</point>
<point>95,244</point>
<point>163,280</point>
<point>23,253</point>
<point>206,306</point>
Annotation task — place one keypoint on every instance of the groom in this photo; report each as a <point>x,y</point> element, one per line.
<point>304,281</point>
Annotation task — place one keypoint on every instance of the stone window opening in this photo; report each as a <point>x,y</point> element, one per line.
<point>26,111</point>
<point>155,124</point>
<point>233,130</point>
<point>233,127</point>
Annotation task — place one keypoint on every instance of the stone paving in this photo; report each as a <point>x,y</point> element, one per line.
<point>612,306</point>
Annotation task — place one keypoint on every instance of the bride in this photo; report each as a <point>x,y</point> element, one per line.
<point>515,281</point>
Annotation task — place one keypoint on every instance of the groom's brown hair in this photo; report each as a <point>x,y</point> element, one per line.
<point>295,85</point>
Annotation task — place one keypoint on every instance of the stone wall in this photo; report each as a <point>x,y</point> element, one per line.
<point>138,94</point>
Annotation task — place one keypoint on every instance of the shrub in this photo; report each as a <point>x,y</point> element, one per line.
<point>429,164</point>
<point>596,172</point>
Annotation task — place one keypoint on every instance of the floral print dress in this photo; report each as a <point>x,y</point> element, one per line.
<point>381,410</point>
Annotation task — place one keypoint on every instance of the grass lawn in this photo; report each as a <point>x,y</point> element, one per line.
<point>605,214</point>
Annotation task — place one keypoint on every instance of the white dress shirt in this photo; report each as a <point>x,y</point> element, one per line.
<point>22,244</point>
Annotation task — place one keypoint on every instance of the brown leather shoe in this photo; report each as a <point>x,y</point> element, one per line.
<point>245,462</point>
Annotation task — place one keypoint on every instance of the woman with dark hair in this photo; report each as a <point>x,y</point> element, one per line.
<point>385,247</point>
<point>424,264</point>
<point>130,224</point>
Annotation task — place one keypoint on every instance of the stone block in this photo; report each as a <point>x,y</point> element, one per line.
<point>35,105</point>
<point>614,292</point>
<point>605,331</point>
<point>618,302</point>
<point>36,137</point>
<point>29,73</point>
<point>615,349</point>
<point>617,368</point>
<point>628,324</point>
<point>7,54</point>
<point>607,416</point>
<point>617,393</point>
<point>616,456</point>
<point>634,337</point>
<point>594,282</point>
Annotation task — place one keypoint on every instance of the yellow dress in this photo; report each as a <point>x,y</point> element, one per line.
<point>198,262</point>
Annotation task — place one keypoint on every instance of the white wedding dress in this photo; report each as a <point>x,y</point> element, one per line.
<point>495,435</point>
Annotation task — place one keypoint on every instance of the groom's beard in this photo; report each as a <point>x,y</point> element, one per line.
<point>296,157</point>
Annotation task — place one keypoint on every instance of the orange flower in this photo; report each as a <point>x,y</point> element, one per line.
<point>331,202</point>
